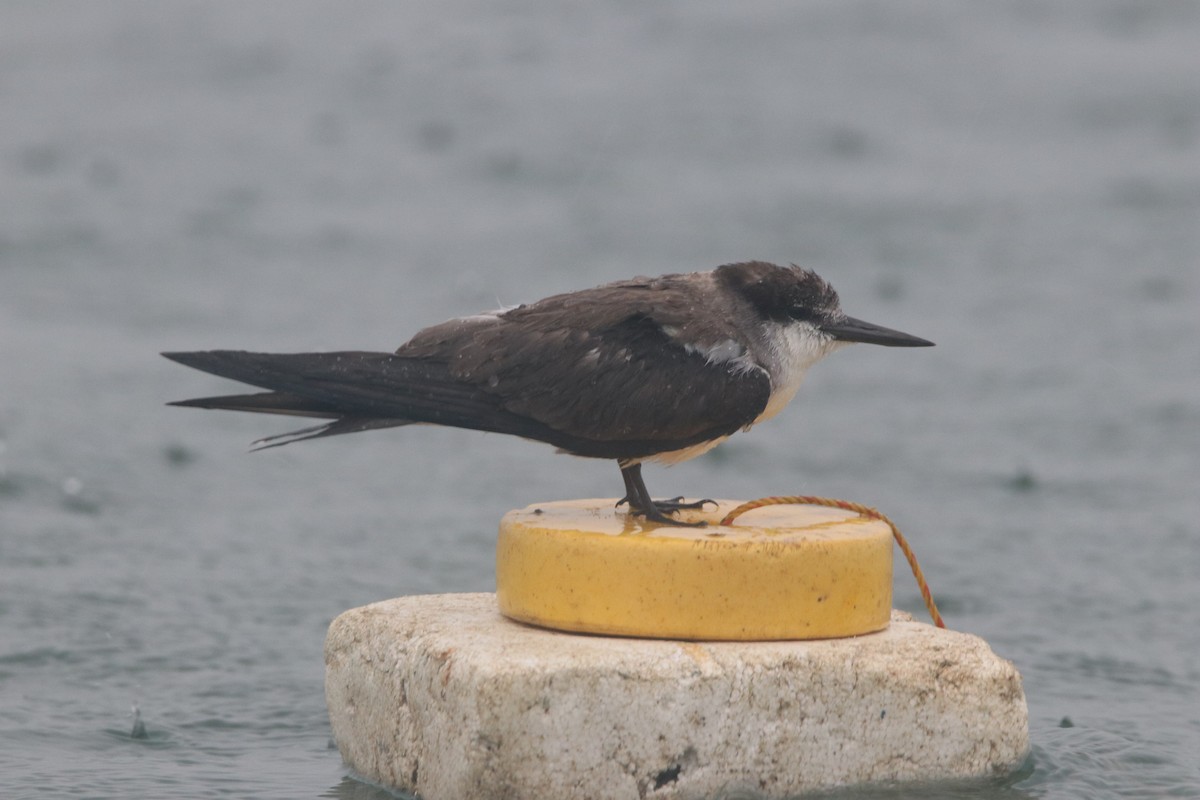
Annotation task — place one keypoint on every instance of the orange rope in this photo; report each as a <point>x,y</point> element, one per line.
<point>865,511</point>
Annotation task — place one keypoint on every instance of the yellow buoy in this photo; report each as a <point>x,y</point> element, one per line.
<point>780,572</point>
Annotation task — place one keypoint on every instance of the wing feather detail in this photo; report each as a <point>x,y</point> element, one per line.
<point>608,363</point>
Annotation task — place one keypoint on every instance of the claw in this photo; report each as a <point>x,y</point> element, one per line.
<point>658,512</point>
<point>674,504</point>
<point>642,505</point>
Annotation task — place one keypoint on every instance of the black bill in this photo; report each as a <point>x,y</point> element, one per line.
<point>849,329</point>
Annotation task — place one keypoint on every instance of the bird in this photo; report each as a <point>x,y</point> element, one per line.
<point>657,369</point>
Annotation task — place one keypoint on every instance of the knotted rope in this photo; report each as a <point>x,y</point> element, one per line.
<point>866,511</point>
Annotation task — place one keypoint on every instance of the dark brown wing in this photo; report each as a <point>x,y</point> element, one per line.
<point>604,365</point>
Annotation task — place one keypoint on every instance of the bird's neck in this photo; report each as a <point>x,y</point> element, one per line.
<point>787,351</point>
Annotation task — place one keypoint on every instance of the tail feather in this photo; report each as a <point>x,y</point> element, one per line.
<point>335,428</point>
<point>358,391</point>
<point>264,402</point>
<point>346,384</point>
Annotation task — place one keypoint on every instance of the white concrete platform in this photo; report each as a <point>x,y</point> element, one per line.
<point>440,696</point>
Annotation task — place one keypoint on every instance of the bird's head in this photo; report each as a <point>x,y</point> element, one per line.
<point>797,296</point>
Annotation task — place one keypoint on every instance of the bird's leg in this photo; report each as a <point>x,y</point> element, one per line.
<point>640,502</point>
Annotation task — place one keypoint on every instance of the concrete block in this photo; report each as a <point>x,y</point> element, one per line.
<point>441,696</point>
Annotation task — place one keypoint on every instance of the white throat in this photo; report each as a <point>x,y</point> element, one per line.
<point>788,350</point>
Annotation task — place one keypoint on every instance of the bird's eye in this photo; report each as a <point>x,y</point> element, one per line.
<point>802,314</point>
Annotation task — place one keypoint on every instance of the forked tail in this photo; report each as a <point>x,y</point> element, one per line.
<point>356,391</point>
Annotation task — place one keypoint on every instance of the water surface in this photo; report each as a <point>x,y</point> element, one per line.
<point>1019,182</point>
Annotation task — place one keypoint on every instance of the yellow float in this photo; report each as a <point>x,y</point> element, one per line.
<point>780,572</point>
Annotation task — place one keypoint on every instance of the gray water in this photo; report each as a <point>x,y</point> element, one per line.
<point>1018,181</point>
